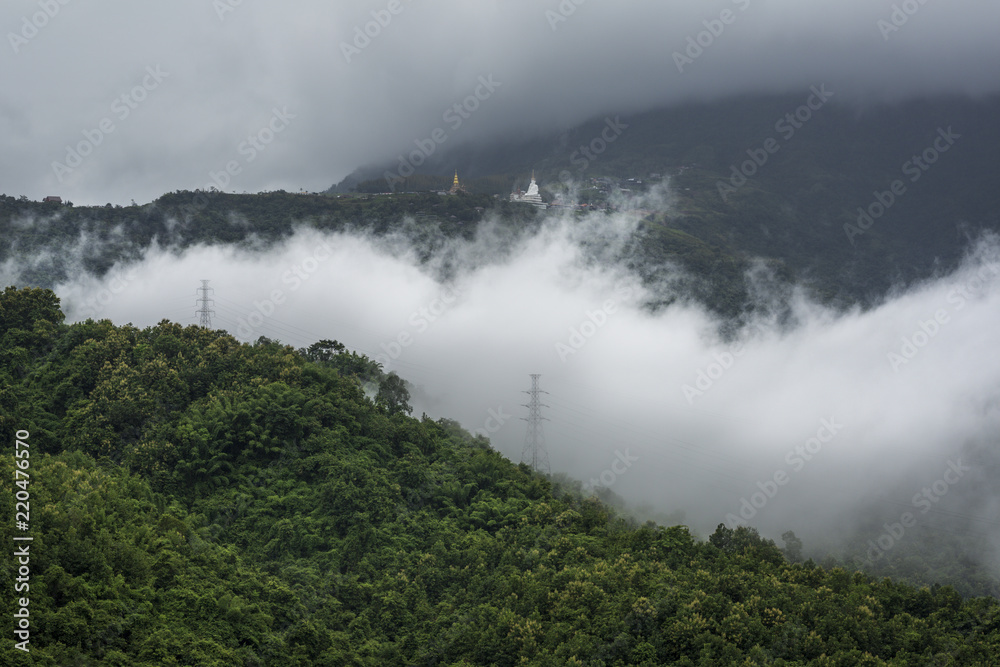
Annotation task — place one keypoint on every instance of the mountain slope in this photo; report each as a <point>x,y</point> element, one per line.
<point>200,501</point>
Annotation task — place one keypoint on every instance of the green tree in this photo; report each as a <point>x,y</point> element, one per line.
<point>393,397</point>
<point>793,546</point>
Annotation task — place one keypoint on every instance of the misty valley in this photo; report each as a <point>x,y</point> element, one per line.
<point>724,477</point>
<point>708,383</point>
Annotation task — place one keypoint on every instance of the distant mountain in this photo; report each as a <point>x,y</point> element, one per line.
<point>803,179</point>
<point>847,202</point>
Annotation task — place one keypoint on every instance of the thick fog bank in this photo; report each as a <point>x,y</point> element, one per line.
<point>812,427</point>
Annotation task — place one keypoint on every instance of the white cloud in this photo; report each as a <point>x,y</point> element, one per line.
<point>473,341</point>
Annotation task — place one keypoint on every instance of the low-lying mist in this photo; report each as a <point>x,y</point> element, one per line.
<point>832,424</point>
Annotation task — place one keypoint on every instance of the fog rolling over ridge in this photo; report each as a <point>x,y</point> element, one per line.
<point>292,294</point>
<point>827,423</point>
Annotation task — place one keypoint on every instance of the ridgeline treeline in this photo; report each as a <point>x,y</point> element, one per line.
<point>48,243</point>
<point>198,501</point>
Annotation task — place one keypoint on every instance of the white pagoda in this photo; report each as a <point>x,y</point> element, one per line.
<point>531,196</point>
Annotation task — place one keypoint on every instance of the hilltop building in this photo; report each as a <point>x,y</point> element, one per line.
<point>457,187</point>
<point>531,196</point>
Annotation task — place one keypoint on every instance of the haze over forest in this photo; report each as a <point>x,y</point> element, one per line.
<point>767,298</point>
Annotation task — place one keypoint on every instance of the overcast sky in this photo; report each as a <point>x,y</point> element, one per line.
<point>160,95</point>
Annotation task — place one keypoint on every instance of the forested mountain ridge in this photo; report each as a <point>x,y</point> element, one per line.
<point>95,237</point>
<point>731,202</point>
<point>47,243</point>
<point>201,501</point>
<point>784,177</point>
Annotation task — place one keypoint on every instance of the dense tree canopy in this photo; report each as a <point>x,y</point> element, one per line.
<point>197,501</point>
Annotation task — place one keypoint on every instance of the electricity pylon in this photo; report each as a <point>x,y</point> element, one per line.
<point>205,312</point>
<point>534,442</point>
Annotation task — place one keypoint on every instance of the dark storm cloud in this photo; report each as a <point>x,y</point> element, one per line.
<point>73,69</point>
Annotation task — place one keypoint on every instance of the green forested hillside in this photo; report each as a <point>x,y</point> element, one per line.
<point>197,501</point>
